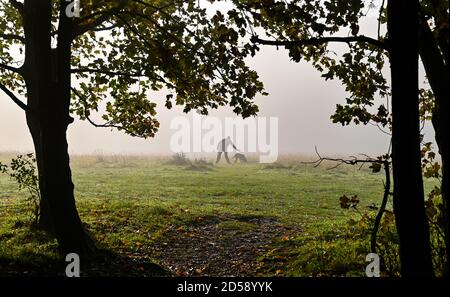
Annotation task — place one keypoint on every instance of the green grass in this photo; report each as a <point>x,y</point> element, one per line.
<point>128,203</point>
<point>236,226</point>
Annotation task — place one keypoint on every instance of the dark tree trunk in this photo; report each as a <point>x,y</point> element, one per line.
<point>47,75</point>
<point>412,226</point>
<point>37,73</point>
<point>45,218</point>
<point>437,74</point>
<point>59,187</point>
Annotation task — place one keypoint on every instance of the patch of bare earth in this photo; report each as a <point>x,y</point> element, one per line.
<point>206,248</point>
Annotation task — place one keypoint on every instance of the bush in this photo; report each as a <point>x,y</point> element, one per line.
<point>23,170</point>
<point>435,211</point>
<point>179,159</point>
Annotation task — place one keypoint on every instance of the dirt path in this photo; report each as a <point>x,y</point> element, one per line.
<point>207,247</point>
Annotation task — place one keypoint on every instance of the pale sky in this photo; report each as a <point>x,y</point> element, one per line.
<point>301,99</point>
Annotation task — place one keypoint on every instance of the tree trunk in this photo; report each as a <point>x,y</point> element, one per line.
<point>47,75</point>
<point>37,73</point>
<point>412,226</point>
<point>45,218</point>
<point>437,74</point>
<point>59,188</point>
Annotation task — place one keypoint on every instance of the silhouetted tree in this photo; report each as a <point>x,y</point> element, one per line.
<point>409,208</point>
<point>433,48</point>
<point>117,51</point>
<point>305,28</point>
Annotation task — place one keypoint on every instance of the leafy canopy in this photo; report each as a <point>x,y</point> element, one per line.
<point>307,28</point>
<point>124,51</point>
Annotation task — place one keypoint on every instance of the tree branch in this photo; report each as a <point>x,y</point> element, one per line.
<point>10,68</point>
<point>352,161</point>
<point>143,39</point>
<point>156,8</point>
<point>14,97</point>
<point>12,37</point>
<point>81,29</point>
<point>106,72</point>
<point>126,74</point>
<point>18,6</point>
<point>106,28</point>
<point>321,40</point>
<point>105,125</point>
<point>383,162</point>
<point>386,193</point>
<point>134,14</point>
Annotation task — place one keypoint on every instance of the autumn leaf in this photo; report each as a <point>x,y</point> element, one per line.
<point>279,272</point>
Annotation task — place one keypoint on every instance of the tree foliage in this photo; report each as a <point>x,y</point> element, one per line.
<point>307,29</point>
<point>123,52</point>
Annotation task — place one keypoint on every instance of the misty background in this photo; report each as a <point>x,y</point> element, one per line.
<point>301,99</point>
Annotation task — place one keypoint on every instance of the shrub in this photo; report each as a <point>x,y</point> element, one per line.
<point>23,170</point>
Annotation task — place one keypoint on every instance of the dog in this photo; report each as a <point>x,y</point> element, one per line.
<point>241,157</point>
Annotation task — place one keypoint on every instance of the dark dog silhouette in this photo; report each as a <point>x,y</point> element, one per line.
<point>241,157</point>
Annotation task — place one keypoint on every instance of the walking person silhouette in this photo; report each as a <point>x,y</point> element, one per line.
<point>222,147</point>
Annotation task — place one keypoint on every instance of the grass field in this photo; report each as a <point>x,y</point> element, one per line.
<point>201,219</point>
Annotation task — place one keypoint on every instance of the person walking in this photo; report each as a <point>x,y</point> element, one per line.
<point>222,147</point>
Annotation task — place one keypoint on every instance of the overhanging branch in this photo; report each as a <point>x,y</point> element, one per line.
<point>18,6</point>
<point>13,97</point>
<point>103,17</point>
<point>321,40</point>
<point>12,37</point>
<point>105,125</point>
<point>11,68</point>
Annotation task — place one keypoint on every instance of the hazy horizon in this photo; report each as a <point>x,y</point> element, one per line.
<point>301,99</point>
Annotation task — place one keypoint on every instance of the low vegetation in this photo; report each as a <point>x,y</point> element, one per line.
<point>280,219</point>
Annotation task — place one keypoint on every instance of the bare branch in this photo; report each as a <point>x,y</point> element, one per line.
<point>379,128</point>
<point>351,161</point>
<point>321,40</point>
<point>14,97</point>
<point>385,162</point>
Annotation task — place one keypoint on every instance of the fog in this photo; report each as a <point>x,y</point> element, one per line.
<point>301,99</point>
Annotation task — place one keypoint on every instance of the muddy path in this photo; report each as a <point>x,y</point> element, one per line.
<point>219,246</point>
